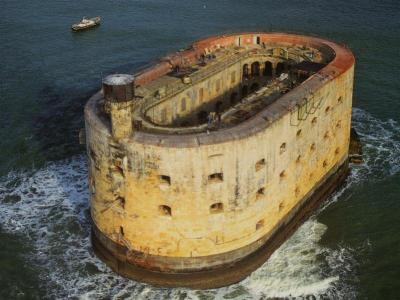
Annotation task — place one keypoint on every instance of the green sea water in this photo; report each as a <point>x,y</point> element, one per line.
<point>350,249</point>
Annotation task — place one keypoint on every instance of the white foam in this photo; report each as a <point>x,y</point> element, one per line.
<point>53,215</point>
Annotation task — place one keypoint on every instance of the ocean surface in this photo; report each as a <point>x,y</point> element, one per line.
<point>350,248</point>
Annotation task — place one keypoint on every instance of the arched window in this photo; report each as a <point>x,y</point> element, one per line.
<point>268,68</point>
<point>165,179</point>
<point>233,97</point>
<point>246,71</point>
<point>216,208</point>
<point>280,67</point>
<point>216,177</point>
<point>165,210</point>
<point>255,69</point>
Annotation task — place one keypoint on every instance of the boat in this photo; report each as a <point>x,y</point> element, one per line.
<point>86,23</point>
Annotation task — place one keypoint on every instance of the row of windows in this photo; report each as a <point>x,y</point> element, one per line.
<point>259,225</point>
<point>255,69</point>
<point>259,165</point>
<point>215,208</point>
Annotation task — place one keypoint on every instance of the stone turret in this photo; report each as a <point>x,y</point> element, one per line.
<point>119,93</point>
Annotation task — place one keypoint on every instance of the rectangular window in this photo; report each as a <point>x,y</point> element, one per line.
<point>164,179</point>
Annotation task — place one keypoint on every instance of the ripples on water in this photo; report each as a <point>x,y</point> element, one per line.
<point>49,208</point>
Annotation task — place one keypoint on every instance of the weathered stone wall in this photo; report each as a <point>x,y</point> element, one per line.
<point>203,96</point>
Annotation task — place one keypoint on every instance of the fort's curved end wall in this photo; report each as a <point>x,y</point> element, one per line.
<point>197,201</point>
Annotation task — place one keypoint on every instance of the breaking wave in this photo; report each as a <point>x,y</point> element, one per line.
<point>49,208</point>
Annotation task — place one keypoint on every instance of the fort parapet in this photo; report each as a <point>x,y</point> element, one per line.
<point>204,163</point>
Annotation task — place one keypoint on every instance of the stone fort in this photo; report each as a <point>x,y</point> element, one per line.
<point>202,164</point>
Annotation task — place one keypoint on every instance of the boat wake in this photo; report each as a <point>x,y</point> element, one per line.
<point>49,208</point>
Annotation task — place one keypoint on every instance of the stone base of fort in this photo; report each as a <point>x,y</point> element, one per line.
<point>119,259</point>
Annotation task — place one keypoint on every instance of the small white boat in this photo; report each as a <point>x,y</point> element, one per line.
<point>86,23</point>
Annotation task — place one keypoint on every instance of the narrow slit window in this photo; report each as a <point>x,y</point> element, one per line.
<point>327,109</point>
<point>165,210</point>
<point>298,159</point>
<point>165,179</point>
<point>260,164</point>
<point>340,100</point>
<point>312,147</point>
<point>325,163</point>
<point>216,177</point>
<point>121,230</point>
<point>216,208</point>
<point>298,133</point>
<point>282,175</point>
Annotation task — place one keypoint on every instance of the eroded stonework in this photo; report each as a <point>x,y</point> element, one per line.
<point>198,162</point>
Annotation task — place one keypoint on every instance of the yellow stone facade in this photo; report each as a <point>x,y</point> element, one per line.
<point>198,199</point>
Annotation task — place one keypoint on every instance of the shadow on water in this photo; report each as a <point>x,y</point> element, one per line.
<point>57,125</point>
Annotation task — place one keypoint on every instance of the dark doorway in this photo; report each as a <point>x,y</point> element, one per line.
<point>233,98</point>
<point>268,68</point>
<point>255,69</point>
<point>280,67</point>
<point>254,87</point>
<point>246,72</point>
<point>244,91</point>
<point>202,117</point>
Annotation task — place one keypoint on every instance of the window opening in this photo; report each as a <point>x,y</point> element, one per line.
<point>216,177</point>
<point>165,210</point>
<point>216,208</point>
